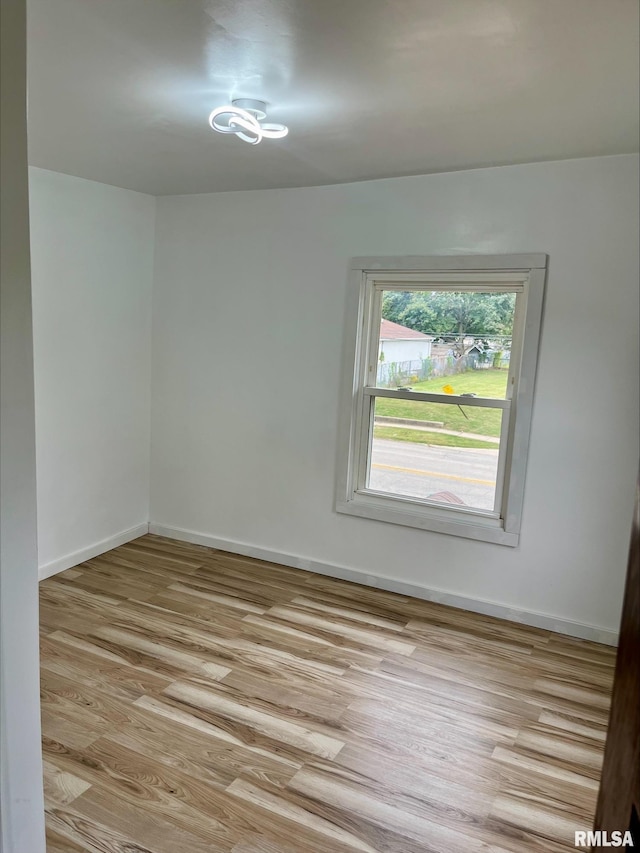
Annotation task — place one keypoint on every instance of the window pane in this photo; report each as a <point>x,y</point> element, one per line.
<point>461,419</point>
<point>433,338</point>
<point>416,452</point>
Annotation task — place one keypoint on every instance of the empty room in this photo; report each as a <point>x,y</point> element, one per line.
<point>320,418</point>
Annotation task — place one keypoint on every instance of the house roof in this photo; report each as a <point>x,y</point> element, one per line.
<point>395,332</point>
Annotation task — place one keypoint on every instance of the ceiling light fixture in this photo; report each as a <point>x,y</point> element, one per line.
<point>244,117</point>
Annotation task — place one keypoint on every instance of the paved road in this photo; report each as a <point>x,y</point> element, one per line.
<point>419,470</point>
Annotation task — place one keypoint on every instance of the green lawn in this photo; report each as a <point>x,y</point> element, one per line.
<point>418,436</point>
<point>483,383</point>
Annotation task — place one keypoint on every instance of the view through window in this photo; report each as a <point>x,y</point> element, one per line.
<point>453,344</point>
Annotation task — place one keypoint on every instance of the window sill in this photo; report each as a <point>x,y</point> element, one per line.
<point>412,514</point>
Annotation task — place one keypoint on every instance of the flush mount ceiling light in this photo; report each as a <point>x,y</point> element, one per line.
<point>244,117</point>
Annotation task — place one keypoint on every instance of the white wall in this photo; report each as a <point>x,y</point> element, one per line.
<point>21,800</point>
<point>405,350</point>
<point>244,449</point>
<point>92,270</point>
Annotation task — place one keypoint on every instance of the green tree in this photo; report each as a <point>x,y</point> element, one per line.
<point>452,315</point>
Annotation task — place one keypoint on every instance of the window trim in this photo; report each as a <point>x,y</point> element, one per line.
<point>530,271</point>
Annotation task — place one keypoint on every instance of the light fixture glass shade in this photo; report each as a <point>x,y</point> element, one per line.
<point>243,117</point>
<point>274,131</point>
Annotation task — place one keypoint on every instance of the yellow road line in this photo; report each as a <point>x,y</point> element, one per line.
<point>434,474</point>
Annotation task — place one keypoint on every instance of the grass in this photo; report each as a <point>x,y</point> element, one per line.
<point>484,383</point>
<point>433,438</point>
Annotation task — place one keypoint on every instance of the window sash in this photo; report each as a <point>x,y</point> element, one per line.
<point>372,316</point>
<point>490,282</point>
<point>469,511</point>
<point>367,421</point>
<point>427,397</point>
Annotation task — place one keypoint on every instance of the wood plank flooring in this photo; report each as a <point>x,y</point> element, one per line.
<point>194,701</point>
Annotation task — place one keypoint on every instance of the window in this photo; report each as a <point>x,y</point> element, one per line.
<point>437,405</point>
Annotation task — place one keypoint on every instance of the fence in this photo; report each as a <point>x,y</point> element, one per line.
<point>396,373</point>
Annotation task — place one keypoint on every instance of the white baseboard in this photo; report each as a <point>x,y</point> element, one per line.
<point>70,560</point>
<point>488,608</point>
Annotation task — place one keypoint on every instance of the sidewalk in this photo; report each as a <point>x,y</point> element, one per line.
<point>423,426</point>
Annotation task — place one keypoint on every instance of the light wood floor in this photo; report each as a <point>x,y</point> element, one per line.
<point>193,701</point>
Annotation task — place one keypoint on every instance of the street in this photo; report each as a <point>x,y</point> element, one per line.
<point>420,470</point>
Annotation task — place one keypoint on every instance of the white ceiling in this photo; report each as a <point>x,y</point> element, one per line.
<point>120,90</point>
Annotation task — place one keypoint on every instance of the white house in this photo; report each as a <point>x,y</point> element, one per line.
<point>399,343</point>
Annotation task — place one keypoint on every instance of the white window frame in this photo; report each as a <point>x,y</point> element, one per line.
<point>369,276</point>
